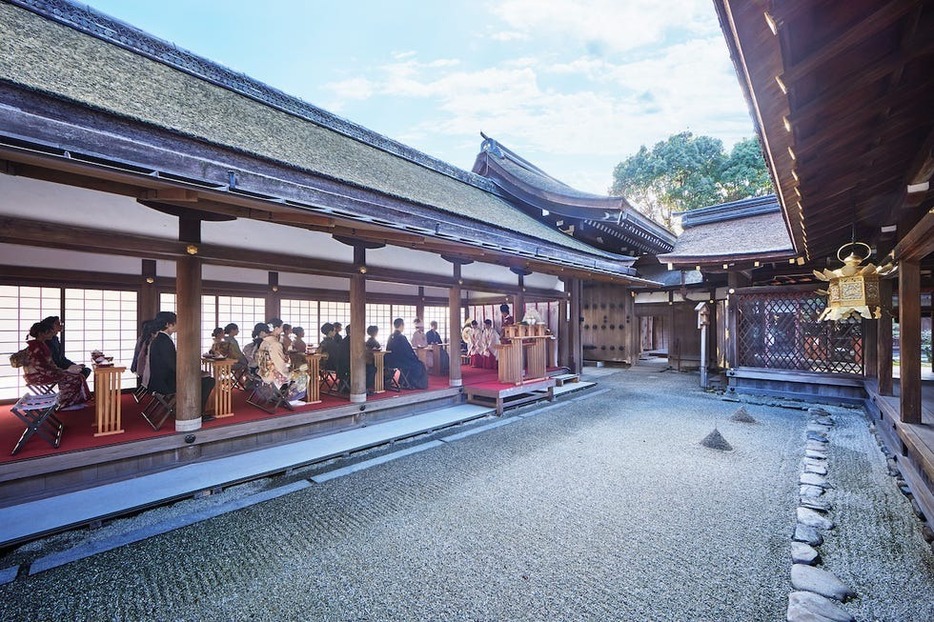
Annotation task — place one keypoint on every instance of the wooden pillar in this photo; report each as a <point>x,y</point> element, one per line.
<point>188,337</point>
<point>575,347</point>
<point>273,306</point>
<point>870,348</point>
<point>420,306</point>
<point>148,296</point>
<point>454,333</point>
<point>909,324</point>
<point>563,331</point>
<point>884,340</point>
<point>358,326</point>
<point>518,306</point>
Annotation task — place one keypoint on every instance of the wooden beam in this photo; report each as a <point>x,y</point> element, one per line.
<point>922,166</point>
<point>872,24</point>
<point>909,324</point>
<point>918,243</point>
<point>357,329</point>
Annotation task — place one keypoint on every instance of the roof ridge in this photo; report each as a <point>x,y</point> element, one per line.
<point>93,22</point>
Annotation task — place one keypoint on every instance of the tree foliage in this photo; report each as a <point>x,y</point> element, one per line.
<point>685,172</point>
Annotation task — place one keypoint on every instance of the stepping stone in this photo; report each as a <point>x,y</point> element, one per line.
<point>811,607</point>
<point>815,503</point>
<point>810,491</point>
<point>818,469</point>
<point>810,518</point>
<point>817,436</point>
<point>803,553</point>
<point>813,479</point>
<point>827,421</point>
<point>815,461</point>
<point>815,446</point>
<point>808,535</point>
<point>817,428</point>
<point>819,581</point>
<point>813,453</point>
<point>818,411</point>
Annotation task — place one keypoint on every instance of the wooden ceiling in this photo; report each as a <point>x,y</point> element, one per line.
<point>842,93</point>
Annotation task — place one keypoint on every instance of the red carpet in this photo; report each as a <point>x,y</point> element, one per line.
<point>79,433</point>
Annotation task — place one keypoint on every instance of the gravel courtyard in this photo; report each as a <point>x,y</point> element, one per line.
<point>601,508</point>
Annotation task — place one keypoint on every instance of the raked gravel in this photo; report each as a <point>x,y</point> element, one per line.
<point>604,508</point>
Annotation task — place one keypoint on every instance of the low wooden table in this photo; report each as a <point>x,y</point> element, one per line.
<point>313,395</point>
<point>379,361</point>
<point>107,400</point>
<point>220,370</point>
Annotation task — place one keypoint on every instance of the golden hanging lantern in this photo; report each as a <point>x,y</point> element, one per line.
<point>853,290</point>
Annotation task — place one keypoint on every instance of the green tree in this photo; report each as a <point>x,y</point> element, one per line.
<point>686,172</point>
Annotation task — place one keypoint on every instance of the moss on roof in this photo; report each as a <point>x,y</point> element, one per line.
<point>43,55</point>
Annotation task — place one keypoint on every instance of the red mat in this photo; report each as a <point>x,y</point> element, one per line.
<point>79,433</point>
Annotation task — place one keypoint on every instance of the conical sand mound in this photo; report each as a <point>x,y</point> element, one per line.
<point>715,440</point>
<point>742,416</point>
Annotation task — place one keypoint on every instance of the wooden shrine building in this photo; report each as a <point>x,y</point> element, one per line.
<point>137,176</point>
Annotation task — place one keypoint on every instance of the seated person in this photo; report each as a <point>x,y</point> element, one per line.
<point>338,327</point>
<point>419,340</point>
<point>372,344</point>
<point>58,351</point>
<point>286,337</point>
<point>433,337</point>
<point>220,348</point>
<point>297,350</point>
<point>230,336</point>
<point>73,391</point>
<point>260,331</point>
<point>473,346</point>
<point>271,363</point>
<point>402,356</point>
<point>327,345</point>
<point>162,357</point>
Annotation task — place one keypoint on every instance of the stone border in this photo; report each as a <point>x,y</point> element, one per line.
<point>818,591</point>
<point>903,486</point>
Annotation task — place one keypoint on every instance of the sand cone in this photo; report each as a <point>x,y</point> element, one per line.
<point>715,440</point>
<point>742,416</point>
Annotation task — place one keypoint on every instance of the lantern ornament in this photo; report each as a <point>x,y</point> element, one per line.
<point>853,289</point>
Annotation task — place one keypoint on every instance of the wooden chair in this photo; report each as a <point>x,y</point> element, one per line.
<point>41,388</point>
<point>38,413</point>
<point>158,409</point>
<point>267,397</point>
<point>394,379</point>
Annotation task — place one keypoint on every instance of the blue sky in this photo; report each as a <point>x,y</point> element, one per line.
<point>573,86</point>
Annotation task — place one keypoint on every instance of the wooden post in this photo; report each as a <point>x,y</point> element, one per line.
<point>563,331</point>
<point>518,306</point>
<point>358,326</point>
<point>420,306</point>
<point>454,333</point>
<point>909,324</point>
<point>148,296</point>
<point>884,340</point>
<point>575,347</point>
<point>273,306</point>
<point>870,348</point>
<point>188,356</point>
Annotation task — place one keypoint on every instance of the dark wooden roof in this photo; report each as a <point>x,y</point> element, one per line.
<point>606,222</point>
<point>739,231</point>
<point>73,54</point>
<point>842,94</point>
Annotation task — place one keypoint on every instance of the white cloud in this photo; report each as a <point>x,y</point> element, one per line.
<point>604,24</point>
<point>509,35</point>
<point>352,89</point>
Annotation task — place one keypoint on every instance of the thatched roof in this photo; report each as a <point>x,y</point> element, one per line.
<point>740,230</point>
<point>128,73</point>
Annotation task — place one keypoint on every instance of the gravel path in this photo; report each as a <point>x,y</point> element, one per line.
<point>605,508</point>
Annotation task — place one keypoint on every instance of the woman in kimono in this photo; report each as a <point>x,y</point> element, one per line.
<point>272,363</point>
<point>73,391</point>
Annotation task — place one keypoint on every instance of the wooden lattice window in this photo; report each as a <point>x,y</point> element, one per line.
<point>779,330</point>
